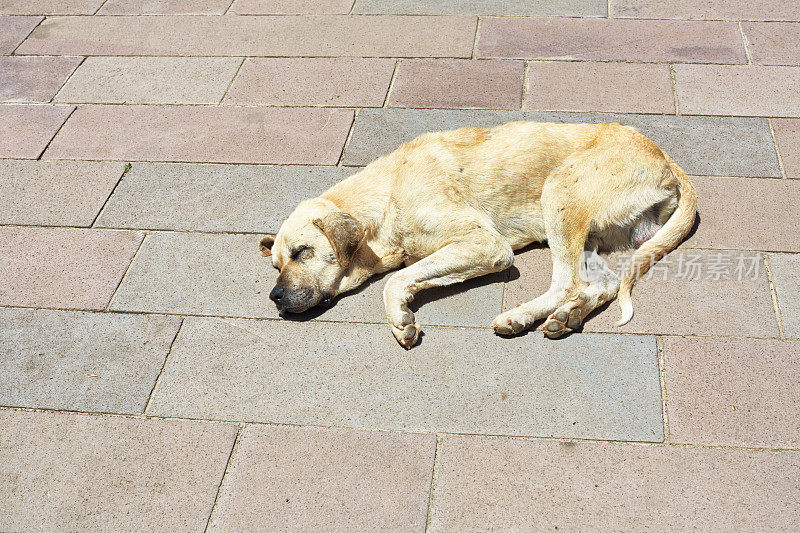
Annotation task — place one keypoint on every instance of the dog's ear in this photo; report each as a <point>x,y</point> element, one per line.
<point>266,244</point>
<point>345,234</point>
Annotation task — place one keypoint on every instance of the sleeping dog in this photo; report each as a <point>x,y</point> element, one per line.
<point>454,205</point>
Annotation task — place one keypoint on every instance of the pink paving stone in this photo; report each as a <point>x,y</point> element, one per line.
<point>49,7</point>
<point>25,130</point>
<point>34,79</point>
<point>63,267</point>
<point>740,392</point>
<point>458,83</point>
<point>204,134</point>
<point>611,39</point>
<point>13,31</point>
<point>590,86</point>
<point>506,484</point>
<point>309,479</point>
<point>707,9</point>
<point>773,43</point>
<point>291,7</point>
<point>158,7</point>
<point>787,136</point>
<point>322,81</point>
<point>738,90</point>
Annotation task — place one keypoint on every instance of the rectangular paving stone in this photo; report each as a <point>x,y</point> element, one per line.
<point>54,193</point>
<point>326,480</point>
<point>716,146</point>
<point>13,31</point>
<point>458,83</point>
<point>236,198</point>
<point>709,9</point>
<point>773,43</point>
<point>33,79</point>
<point>164,7</point>
<point>81,361</point>
<point>49,7</point>
<point>611,39</point>
<point>456,380</point>
<point>738,90</point>
<point>747,214</point>
<point>63,267</point>
<point>150,80</point>
<point>204,134</point>
<point>739,392</point>
<point>595,86</point>
<point>690,292</point>
<point>291,7</point>
<point>787,137</point>
<point>109,473</point>
<point>514,484</point>
<point>305,35</point>
<point>25,130</point>
<point>786,275</point>
<point>508,8</point>
<point>316,81</point>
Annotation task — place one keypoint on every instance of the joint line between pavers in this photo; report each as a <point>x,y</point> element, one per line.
<point>744,43</point>
<point>101,7</point>
<point>437,463</point>
<point>125,170</point>
<point>71,74</point>
<point>352,7</point>
<point>39,157</point>
<point>662,376</point>
<point>774,293</point>
<point>163,366</point>
<point>777,148</point>
<point>674,80</point>
<point>475,39</point>
<point>525,74</point>
<point>233,79</point>
<point>125,274</point>
<point>348,138</point>
<point>391,82</point>
<point>224,475</point>
<point>608,9</point>
<point>14,51</point>
<point>228,9</point>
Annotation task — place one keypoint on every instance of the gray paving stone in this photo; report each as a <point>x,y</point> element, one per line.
<point>509,8</point>
<point>81,361</point>
<point>456,380</point>
<point>786,274</point>
<point>238,198</point>
<point>14,30</point>
<point>75,472</point>
<point>715,146</point>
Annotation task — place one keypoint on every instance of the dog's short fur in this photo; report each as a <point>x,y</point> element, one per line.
<point>455,205</point>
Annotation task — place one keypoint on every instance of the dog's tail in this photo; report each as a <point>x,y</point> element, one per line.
<point>666,239</point>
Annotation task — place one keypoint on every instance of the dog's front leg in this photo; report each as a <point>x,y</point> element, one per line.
<point>453,263</point>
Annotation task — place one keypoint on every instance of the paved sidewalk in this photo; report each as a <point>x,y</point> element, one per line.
<point>147,383</point>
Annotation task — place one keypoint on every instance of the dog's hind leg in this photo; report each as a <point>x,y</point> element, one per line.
<point>474,255</point>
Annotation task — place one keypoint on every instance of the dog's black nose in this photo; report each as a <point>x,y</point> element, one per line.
<point>277,294</point>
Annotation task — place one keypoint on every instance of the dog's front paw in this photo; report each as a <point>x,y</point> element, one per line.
<point>407,335</point>
<point>510,323</point>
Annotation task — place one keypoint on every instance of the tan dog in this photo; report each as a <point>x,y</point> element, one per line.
<point>455,205</point>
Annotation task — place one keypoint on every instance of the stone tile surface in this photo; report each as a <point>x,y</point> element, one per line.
<point>204,134</point>
<point>611,39</point>
<point>786,275</point>
<point>164,7</point>
<point>739,392</point>
<point>738,90</point>
<point>81,361</point>
<point>787,137</point>
<point>49,7</point>
<point>301,479</point>
<point>306,35</point>
<point>512,484</point>
<point>63,267</point>
<point>456,380</point>
<point>458,83</point>
<point>747,214</point>
<point>150,80</point>
<point>81,472</point>
<point>595,86</point>
<point>773,43</point>
<point>291,7</point>
<point>708,9</point>
<point>25,130</point>
<point>716,146</point>
<point>13,31</point>
<point>508,8</point>
<point>53,193</point>
<point>317,81</point>
<point>238,198</point>
<point>33,79</point>
<point>681,298</point>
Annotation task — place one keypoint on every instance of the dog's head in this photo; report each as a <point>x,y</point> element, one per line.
<point>314,249</point>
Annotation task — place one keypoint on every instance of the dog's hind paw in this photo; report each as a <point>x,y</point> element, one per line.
<point>407,335</point>
<point>566,318</point>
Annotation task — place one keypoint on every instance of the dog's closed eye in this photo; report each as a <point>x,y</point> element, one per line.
<point>302,253</point>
